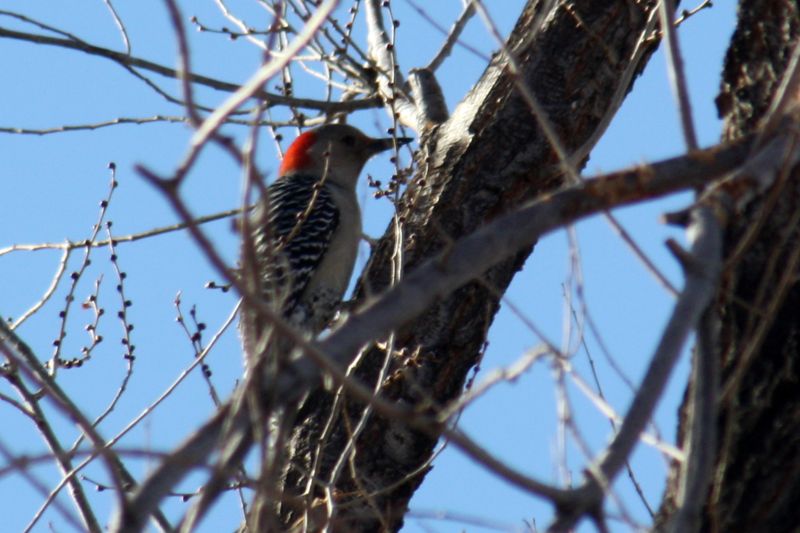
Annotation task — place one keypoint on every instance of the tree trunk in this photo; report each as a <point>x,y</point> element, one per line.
<point>756,476</point>
<point>490,156</point>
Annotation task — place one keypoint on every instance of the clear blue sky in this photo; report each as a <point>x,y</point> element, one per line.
<point>52,186</point>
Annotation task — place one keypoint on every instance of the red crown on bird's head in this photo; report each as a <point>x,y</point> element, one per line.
<point>297,157</point>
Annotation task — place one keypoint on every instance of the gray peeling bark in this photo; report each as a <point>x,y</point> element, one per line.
<point>756,476</point>
<point>488,157</point>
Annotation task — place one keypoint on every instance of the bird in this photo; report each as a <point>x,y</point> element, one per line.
<point>304,236</point>
<point>306,227</point>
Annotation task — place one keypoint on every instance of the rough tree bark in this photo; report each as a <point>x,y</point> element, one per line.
<point>488,157</point>
<point>756,476</point>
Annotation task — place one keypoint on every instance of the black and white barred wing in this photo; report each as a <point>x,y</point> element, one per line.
<point>292,238</point>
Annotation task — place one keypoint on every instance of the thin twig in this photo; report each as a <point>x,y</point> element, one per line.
<point>54,282</point>
<point>677,74</point>
<point>72,245</point>
<point>185,68</point>
<point>120,26</point>
<point>452,36</point>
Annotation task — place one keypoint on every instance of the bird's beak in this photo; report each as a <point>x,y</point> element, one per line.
<point>380,145</point>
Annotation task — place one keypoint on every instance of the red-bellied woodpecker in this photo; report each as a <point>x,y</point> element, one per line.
<point>305,235</point>
<point>307,228</point>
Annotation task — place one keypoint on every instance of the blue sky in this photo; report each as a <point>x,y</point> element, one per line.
<point>52,186</point>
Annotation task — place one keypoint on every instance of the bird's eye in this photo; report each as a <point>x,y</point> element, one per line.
<point>349,140</point>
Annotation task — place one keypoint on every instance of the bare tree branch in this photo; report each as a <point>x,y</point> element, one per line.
<point>132,61</point>
<point>453,35</point>
<point>701,441</point>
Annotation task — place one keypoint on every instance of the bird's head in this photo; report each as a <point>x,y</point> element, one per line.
<point>336,151</point>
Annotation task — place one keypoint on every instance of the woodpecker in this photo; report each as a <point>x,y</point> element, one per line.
<point>307,227</point>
